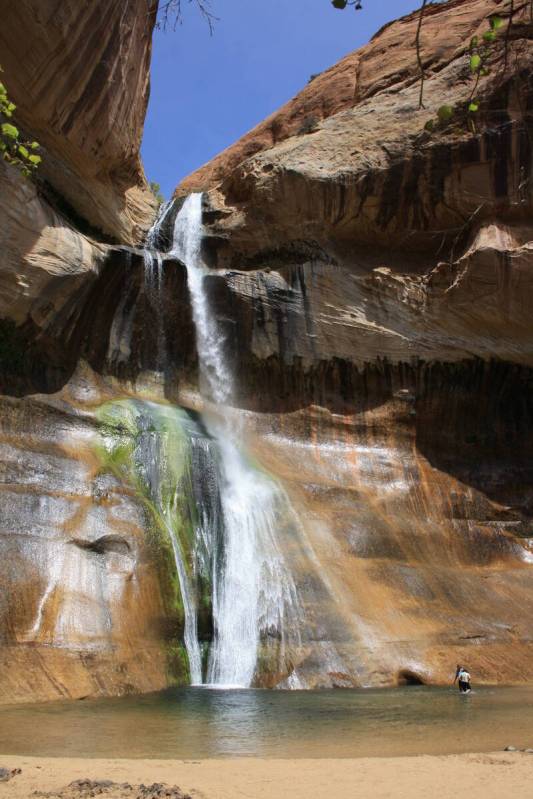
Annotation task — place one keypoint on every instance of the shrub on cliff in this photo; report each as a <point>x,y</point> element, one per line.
<point>155,188</point>
<point>22,154</point>
<point>309,125</point>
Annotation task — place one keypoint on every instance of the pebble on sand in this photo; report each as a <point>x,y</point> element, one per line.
<point>7,774</point>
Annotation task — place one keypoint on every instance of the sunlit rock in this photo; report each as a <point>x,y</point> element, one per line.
<point>298,453</point>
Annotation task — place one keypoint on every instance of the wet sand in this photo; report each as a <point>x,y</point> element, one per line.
<point>477,776</point>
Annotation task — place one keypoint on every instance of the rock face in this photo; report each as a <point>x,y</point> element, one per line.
<point>378,286</point>
<point>373,282</point>
<point>80,80</point>
<point>88,604</point>
<point>420,241</point>
<point>385,64</point>
<point>79,77</point>
<point>85,606</point>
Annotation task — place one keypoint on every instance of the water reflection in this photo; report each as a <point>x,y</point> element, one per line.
<point>202,723</point>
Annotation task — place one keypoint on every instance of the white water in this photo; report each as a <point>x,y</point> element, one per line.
<point>190,630</point>
<point>253,592</point>
<point>215,377</point>
<point>158,424</point>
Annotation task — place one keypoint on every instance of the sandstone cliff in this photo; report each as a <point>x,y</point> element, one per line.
<point>377,284</point>
<point>79,75</point>
<point>85,606</point>
<point>80,80</point>
<point>85,597</point>
<point>373,281</point>
<point>429,230</point>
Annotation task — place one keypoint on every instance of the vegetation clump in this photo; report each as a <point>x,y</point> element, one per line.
<point>138,441</point>
<point>155,188</point>
<point>479,53</point>
<point>309,125</point>
<point>15,150</point>
<point>342,4</point>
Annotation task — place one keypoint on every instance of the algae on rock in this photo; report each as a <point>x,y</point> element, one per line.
<point>157,450</point>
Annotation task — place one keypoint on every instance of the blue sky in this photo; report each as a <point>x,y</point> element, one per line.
<point>209,90</point>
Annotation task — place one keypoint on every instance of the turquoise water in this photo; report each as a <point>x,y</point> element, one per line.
<point>200,723</point>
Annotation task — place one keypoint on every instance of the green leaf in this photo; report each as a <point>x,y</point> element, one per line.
<point>445,113</point>
<point>35,145</point>
<point>489,36</point>
<point>496,23</point>
<point>341,4</point>
<point>23,151</point>
<point>473,107</point>
<point>474,41</point>
<point>10,130</point>
<point>35,159</point>
<point>25,171</point>
<point>430,124</point>
<point>475,62</point>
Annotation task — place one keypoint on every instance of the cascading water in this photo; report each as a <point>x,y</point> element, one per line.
<point>215,376</point>
<point>166,456</point>
<point>221,515</point>
<point>254,595</point>
<point>153,455</point>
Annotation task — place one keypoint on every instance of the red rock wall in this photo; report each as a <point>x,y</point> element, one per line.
<point>79,74</point>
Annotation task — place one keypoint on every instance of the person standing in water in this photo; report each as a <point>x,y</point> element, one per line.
<point>463,676</point>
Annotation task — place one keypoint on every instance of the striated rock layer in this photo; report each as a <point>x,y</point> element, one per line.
<point>376,285</point>
<point>88,604</point>
<point>80,81</point>
<point>373,282</point>
<point>79,75</point>
<point>88,601</point>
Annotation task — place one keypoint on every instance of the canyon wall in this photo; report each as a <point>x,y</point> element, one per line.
<point>79,76</point>
<point>377,278</point>
<point>88,604</point>
<point>373,281</point>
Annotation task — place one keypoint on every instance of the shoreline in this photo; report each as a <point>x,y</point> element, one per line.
<point>475,775</point>
<point>88,699</point>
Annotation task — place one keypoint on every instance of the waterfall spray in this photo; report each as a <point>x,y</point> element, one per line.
<point>253,590</point>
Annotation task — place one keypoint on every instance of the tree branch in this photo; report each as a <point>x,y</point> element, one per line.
<point>419,53</point>
<point>171,13</point>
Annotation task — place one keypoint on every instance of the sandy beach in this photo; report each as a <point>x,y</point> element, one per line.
<point>487,776</point>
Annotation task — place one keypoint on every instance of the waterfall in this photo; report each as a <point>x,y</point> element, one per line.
<point>232,536</point>
<point>154,450</point>
<point>163,453</point>
<point>214,373</point>
<point>254,596</point>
